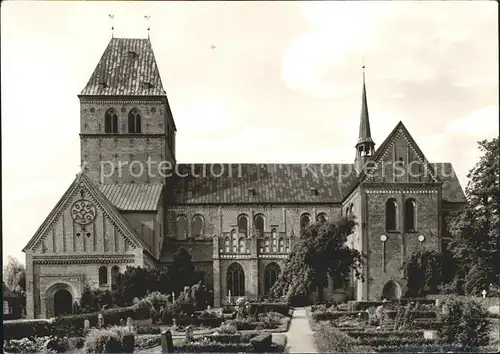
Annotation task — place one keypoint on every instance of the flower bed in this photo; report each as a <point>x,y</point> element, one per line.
<point>332,315</point>
<point>432,348</point>
<point>265,307</point>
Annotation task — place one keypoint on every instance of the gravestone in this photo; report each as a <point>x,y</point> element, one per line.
<point>100,321</point>
<point>130,322</point>
<point>209,308</point>
<point>122,322</point>
<point>189,334</point>
<point>167,344</point>
<point>86,326</point>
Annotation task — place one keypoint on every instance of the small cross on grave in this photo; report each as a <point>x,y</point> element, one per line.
<point>483,293</point>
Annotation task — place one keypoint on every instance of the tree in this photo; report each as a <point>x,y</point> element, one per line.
<point>423,271</point>
<point>475,227</point>
<point>14,275</point>
<point>181,271</point>
<point>135,282</point>
<point>320,254</point>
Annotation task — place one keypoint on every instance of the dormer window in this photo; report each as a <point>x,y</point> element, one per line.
<point>252,191</point>
<point>147,85</point>
<point>314,191</point>
<point>102,85</point>
<point>132,54</point>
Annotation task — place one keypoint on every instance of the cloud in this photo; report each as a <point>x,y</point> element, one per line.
<point>400,41</point>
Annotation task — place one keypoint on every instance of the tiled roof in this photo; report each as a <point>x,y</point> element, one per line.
<point>261,183</point>
<point>280,183</point>
<point>127,67</point>
<point>133,197</point>
<point>452,190</point>
<point>199,251</point>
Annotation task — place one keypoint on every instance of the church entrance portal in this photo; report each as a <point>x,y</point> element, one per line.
<point>391,290</point>
<point>63,303</point>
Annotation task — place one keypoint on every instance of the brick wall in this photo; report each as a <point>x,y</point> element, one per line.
<point>152,142</point>
<point>399,244</point>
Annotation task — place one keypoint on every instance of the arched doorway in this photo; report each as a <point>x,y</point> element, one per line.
<point>271,274</point>
<point>391,290</point>
<point>235,280</point>
<point>63,303</point>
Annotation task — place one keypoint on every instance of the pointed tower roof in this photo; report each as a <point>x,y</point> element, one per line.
<point>127,68</point>
<point>364,124</point>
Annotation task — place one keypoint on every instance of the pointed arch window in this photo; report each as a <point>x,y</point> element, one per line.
<point>241,245</point>
<point>227,245</point>
<point>271,274</point>
<point>236,280</point>
<point>110,121</point>
<point>281,245</point>
<point>351,210</point>
<point>410,215</point>
<point>305,221</point>
<point>234,240</point>
<point>267,245</point>
<point>134,121</point>
<point>182,227</point>
<point>391,215</point>
<point>198,226</point>
<point>259,225</point>
<point>103,276</point>
<point>243,224</point>
<point>321,217</point>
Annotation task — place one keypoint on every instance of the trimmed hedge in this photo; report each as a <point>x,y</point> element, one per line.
<point>70,326</point>
<point>262,343</point>
<point>362,335</point>
<point>415,314</point>
<point>232,338</point>
<point>426,348</point>
<point>264,307</point>
<point>333,315</point>
<point>196,321</point>
<point>363,305</point>
<point>27,329</point>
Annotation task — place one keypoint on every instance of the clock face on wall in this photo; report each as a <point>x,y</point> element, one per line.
<point>83,212</point>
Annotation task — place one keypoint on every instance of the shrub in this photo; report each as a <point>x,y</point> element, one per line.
<point>272,320</point>
<point>213,347</point>
<point>227,328</point>
<point>465,322</point>
<point>423,348</point>
<point>75,343</point>
<point>113,340</point>
<point>262,342</point>
<point>331,340</point>
<point>228,309</point>
<point>263,307</point>
<point>333,315</point>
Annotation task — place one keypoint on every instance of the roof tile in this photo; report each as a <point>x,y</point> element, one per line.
<point>133,197</point>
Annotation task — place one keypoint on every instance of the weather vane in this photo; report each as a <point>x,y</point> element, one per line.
<point>111,16</point>
<point>147,17</point>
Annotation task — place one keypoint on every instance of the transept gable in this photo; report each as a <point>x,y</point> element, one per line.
<point>79,221</point>
<point>400,149</point>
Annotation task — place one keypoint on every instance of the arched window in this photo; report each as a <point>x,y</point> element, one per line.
<point>259,225</point>
<point>182,227</point>
<point>305,220</point>
<point>236,280</point>
<point>110,121</point>
<point>103,276</point>
<point>267,245</point>
<point>351,210</point>
<point>287,243</point>
<point>410,215</point>
<point>274,239</point>
<point>241,245</point>
<point>198,226</point>
<point>134,121</point>
<point>243,224</point>
<point>321,217</point>
<point>227,245</point>
<point>234,239</point>
<point>115,273</point>
<point>271,274</point>
<point>281,245</point>
<point>347,212</point>
<point>391,215</point>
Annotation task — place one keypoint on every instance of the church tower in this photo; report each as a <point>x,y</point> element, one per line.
<point>365,148</point>
<point>127,128</point>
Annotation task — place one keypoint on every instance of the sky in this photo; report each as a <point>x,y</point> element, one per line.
<point>247,82</point>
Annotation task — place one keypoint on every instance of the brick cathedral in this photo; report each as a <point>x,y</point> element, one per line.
<point>237,221</point>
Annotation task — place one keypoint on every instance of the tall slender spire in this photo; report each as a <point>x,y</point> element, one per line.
<point>365,148</point>
<point>364,124</point>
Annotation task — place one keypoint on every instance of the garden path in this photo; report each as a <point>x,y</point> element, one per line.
<point>300,335</point>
